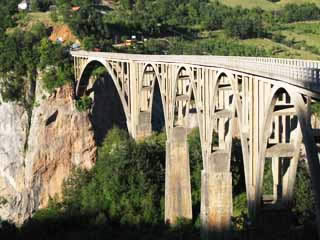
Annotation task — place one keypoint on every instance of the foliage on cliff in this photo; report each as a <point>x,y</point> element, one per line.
<point>23,54</point>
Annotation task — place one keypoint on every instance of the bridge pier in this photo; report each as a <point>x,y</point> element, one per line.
<point>143,127</point>
<point>177,187</point>
<point>216,199</point>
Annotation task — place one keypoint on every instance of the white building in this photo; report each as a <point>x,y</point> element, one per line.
<point>23,5</point>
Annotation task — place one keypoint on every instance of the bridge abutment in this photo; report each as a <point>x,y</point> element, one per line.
<point>178,186</point>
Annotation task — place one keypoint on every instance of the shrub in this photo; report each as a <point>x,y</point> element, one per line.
<point>303,196</point>
<point>278,37</point>
<point>84,103</point>
<point>55,77</point>
<point>303,12</point>
<point>246,26</point>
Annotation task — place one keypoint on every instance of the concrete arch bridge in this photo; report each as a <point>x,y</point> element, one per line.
<point>265,102</point>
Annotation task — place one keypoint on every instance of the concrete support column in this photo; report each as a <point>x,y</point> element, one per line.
<point>252,202</point>
<point>144,127</point>
<point>216,199</point>
<point>178,186</point>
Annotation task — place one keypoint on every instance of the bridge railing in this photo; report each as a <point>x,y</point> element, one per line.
<point>294,70</point>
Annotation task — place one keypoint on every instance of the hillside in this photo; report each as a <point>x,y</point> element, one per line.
<point>265,4</point>
<point>57,29</point>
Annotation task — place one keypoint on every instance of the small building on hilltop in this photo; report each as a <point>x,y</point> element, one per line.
<point>24,5</point>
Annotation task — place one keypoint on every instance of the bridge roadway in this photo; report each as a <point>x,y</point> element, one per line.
<point>264,102</point>
<point>301,73</point>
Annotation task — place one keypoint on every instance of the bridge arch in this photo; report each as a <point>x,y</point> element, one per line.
<point>280,142</point>
<point>83,83</point>
<point>152,85</point>
<point>237,110</point>
<point>109,106</point>
<point>184,99</point>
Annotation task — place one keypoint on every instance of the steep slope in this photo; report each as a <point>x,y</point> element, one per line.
<point>33,166</point>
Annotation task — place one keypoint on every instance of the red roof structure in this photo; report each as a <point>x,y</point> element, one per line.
<point>75,8</point>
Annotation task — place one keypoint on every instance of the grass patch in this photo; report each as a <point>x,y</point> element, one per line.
<point>273,48</point>
<point>280,50</point>
<point>265,4</point>
<point>304,36</point>
<point>310,39</point>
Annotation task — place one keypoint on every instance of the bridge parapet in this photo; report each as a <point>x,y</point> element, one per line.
<point>302,73</point>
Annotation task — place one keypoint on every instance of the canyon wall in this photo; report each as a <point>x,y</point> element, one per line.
<point>37,152</point>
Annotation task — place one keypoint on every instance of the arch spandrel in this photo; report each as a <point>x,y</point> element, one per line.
<point>150,89</point>
<point>236,108</point>
<point>183,97</point>
<point>281,142</point>
<point>114,78</point>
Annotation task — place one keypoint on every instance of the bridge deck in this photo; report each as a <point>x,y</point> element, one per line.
<point>302,73</point>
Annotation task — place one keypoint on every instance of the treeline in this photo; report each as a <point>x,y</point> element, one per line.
<point>304,12</point>
<point>41,5</point>
<point>7,11</point>
<point>213,46</point>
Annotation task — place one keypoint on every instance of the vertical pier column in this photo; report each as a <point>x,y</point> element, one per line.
<point>216,198</point>
<point>178,186</point>
<point>143,127</point>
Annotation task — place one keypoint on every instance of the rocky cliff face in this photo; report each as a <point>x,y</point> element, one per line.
<point>37,155</point>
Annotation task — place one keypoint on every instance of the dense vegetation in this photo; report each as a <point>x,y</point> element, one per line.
<point>23,53</point>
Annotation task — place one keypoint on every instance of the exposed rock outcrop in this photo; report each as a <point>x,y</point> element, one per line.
<point>34,164</point>
<point>13,136</point>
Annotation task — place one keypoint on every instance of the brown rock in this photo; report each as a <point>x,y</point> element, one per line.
<point>60,139</point>
<point>33,166</point>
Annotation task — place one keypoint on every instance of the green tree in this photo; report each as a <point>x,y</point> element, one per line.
<point>34,4</point>
<point>126,4</point>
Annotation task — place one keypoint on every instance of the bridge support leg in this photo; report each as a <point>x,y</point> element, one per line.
<point>216,199</point>
<point>178,186</point>
<point>144,127</point>
<point>290,176</point>
<point>289,180</point>
<point>311,150</point>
